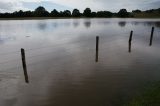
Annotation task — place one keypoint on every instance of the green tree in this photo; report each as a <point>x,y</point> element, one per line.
<point>104,14</point>
<point>18,13</point>
<point>87,12</point>
<point>76,13</point>
<point>158,10</point>
<point>123,13</point>
<point>136,11</point>
<point>54,13</point>
<point>28,14</point>
<point>41,12</point>
<point>93,14</point>
<point>66,13</point>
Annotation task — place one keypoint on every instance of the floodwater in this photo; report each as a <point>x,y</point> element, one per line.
<point>60,57</point>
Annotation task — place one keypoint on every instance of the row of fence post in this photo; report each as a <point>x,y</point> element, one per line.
<point>130,39</point>
<point>96,57</point>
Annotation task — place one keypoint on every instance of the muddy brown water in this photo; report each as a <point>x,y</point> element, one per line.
<point>60,56</point>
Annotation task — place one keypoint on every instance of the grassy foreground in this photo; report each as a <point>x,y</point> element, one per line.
<point>150,97</point>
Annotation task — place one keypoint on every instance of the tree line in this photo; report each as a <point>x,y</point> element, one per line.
<point>42,12</point>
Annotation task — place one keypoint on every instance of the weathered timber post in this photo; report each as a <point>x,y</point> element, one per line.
<point>97,47</point>
<point>24,65</point>
<point>151,38</point>
<point>130,42</point>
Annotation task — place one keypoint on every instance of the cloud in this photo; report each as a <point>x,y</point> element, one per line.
<point>11,6</point>
<point>95,5</point>
<point>47,4</point>
<point>112,5</point>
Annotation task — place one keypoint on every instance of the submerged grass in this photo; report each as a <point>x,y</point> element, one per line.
<point>149,97</point>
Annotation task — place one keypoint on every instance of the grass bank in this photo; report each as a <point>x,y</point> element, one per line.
<point>147,15</point>
<point>149,97</point>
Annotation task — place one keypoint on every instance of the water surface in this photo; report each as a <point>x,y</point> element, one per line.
<point>60,56</point>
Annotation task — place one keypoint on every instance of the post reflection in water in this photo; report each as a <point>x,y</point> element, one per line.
<point>129,47</point>
<point>96,60</point>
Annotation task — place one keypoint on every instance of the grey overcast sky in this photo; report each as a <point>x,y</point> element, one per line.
<point>95,5</point>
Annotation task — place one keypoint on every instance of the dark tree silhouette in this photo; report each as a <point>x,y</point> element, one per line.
<point>20,13</point>
<point>158,10</point>
<point>93,14</point>
<point>123,13</point>
<point>41,12</point>
<point>150,11</point>
<point>28,14</point>
<point>87,12</point>
<point>136,11</point>
<point>104,14</point>
<point>76,13</point>
<point>66,13</point>
<point>55,13</point>
<point>61,14</point>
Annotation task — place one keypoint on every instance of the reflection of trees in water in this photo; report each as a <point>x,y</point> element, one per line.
<point>157,24</point>
<point>87,23</point>
<point>104,22</point>
<point>58,25</point>
<point>147,23</point>
<point>122,24</point>
<point>42,26</point>
<point>6,39</point>
<point>76,24</point>
<point>55,25</point>
<point>66,24</point>
<point>1,41</point>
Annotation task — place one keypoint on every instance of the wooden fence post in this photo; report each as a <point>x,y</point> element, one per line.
<point>97,47</point>
<point>24,65</point>
<point>151,38</point>
<point>130,42</point>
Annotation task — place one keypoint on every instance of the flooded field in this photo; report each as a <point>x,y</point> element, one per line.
<point>60,57</point>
